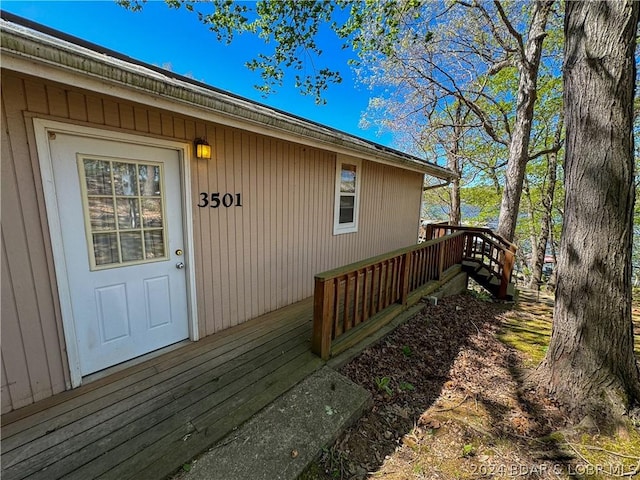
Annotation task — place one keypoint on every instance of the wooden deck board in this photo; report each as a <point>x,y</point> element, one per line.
<point>161,399</point>
<point>117,401</point>
<point>19,420</point>
<point>133,424</point>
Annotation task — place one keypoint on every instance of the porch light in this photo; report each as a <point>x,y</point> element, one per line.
<point>202,148</point>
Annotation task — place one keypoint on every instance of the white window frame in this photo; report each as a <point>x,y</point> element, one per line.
<point>351,227</point>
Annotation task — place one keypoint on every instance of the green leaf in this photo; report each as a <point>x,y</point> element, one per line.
<point>383,384</point>
<point>406,386</point>
<point>467,450</point>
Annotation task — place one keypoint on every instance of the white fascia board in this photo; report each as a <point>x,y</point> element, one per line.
<point>34,53</point>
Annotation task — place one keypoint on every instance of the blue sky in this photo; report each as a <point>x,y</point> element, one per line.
<point>176,40</point>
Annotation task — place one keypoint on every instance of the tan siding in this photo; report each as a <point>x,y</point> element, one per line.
<point>77,106</point>
<point>259,233</point>
<point>141,120</point>
<point>213,234</point>
<point>4,390</point>
<point>57,101</point>
<point>29,325</point>
<point>250,222</point>
<point>155,122</point>
<point>166,122</point>
<point>111,113</point>
<point>236,236</point>
<point>249,260</point>
<point>95,112</point>
<point>179,128</point>
<point>14,386</point>
<point>36,97</point>
<point>127,117</point>
<point>249,248</point>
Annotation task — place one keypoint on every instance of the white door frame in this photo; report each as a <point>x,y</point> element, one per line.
<point>43,128</point>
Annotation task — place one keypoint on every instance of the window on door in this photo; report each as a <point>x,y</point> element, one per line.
<point>124,211</point>
<point>347,193</point>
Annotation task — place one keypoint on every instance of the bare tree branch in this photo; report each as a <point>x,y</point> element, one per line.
<point>546,151</point>
<point>507,23</point>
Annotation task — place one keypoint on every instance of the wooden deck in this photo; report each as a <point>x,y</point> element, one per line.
<point>144,422</point>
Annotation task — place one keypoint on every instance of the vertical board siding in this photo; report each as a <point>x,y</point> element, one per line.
<point>250,260</point>
<point>282,236</point>
<point>31,347</point>
<point>4,389</point>
<point>77,106</point>
<point>15,388</point>
<point>95,113</point>
<point>127,117</point>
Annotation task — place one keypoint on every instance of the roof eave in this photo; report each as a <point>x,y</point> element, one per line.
<point>27,44</point>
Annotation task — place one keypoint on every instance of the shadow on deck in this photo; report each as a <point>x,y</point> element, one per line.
<point>147,420</point>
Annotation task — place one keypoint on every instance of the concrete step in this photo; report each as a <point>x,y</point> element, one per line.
<point>279,442</point>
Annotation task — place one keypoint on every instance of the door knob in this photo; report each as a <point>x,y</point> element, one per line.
<point>179,265</point>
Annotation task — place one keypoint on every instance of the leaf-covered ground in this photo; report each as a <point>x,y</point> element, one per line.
<point>449,403</point>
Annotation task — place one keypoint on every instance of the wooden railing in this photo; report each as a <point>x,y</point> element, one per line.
<point>348,296</point>
<point>485,247</point>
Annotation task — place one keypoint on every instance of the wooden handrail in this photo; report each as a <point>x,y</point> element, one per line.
<point>336,272</point>
<point>461,228</point>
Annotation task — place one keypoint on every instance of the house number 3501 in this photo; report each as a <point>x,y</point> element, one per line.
<point>217,199</point>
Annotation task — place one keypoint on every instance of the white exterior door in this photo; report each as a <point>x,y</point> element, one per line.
<point>120,211</point>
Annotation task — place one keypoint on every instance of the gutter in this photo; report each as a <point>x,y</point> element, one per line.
<point>23,40</point>
<point>439,185</point>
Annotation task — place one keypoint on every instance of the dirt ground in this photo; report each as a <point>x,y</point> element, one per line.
<point>449,403</point>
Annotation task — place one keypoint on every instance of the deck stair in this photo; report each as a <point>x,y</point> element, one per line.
<point>487,257</point>
<point>487,279</point>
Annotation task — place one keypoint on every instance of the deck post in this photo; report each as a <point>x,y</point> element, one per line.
<point>469,241</point>
<point>507,267</point>
<point>443,248</point>
<point>428,233</point>
<point>404,278</point>
<point>321,339</point>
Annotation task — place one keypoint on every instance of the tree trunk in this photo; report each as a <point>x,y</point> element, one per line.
<point>519,146</point>
<point>454,206</point>
<point>590,366</point>
<point>547,203</point>
<point>543,238</point>
<point>553,279</point>
<point>533,238</point>
<point>453,163</point>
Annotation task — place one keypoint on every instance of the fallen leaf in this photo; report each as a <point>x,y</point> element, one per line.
<point>409,442</point>
<point>429,422</point>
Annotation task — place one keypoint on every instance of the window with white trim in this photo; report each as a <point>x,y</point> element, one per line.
<point>124,211</point>
<point>347,195</point>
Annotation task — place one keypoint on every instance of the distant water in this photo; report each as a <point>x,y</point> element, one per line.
<point>440,213</point>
